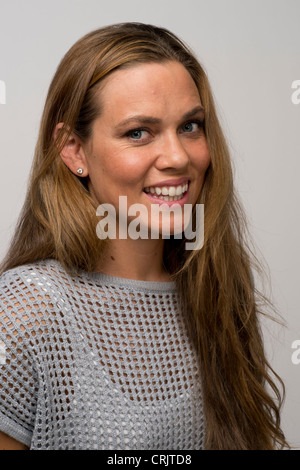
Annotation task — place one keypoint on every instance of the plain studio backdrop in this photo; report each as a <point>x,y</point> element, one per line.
<point>250,50</point>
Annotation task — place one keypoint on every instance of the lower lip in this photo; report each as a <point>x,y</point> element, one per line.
<point>181,201</point>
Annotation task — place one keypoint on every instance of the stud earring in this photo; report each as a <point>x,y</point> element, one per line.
<point>79,171</point>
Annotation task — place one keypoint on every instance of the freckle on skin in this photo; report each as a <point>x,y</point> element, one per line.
<point>112,258</point>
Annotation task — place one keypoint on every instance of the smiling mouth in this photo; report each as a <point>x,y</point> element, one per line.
<point>167,193</point>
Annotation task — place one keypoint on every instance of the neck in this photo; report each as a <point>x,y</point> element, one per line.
<point>135,259</point>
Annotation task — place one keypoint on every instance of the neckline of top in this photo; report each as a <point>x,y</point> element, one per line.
<point>137,284</point>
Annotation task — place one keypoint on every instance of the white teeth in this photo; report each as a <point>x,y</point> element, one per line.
<point>178,190</point>
<point>172,190</point>
<point>168,193</point>
<point>167,198</point>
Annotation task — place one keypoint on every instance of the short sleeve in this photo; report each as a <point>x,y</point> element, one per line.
<point>18,376</point>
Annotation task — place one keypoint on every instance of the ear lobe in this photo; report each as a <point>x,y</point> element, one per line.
<point>72,152</point>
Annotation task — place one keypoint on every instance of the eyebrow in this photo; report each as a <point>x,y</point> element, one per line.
<point>141,119</point>
<point>193,112</point>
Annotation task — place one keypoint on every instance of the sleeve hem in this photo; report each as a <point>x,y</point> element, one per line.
<point>14,430</point>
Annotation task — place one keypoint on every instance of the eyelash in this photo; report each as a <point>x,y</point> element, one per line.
<point>142,129</point>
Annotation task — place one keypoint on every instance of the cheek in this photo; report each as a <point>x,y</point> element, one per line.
<point>201,159</point>
<point>129,165</point>
<point>117,168</point>
<point>206,161</point>
<point>201,162</point>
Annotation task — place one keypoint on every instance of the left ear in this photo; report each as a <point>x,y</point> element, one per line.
<point>72,153</point>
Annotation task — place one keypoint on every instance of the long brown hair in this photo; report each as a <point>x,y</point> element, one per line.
<point>215,284</point>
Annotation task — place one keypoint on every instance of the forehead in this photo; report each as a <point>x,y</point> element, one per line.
<point>148,87</point>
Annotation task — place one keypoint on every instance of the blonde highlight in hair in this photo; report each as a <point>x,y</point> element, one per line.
<point>215,284</point>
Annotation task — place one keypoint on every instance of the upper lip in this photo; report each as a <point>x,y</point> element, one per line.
<point>170,182</point>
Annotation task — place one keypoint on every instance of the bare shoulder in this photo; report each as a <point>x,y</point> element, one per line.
<point>9,443</point>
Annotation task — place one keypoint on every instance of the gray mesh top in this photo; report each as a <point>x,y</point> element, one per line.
<point>96,362</point>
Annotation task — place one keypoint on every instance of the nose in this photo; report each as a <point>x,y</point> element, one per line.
<point>171,153</point>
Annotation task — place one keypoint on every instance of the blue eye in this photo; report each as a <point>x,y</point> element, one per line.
<point>191,127</point>
<point>137,134</point>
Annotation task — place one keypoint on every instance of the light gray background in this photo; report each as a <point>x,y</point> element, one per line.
<point>250,50</point>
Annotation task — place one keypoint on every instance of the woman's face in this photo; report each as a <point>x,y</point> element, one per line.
<point>148,143</point>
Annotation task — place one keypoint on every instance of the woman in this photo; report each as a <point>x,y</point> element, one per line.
<point>132,342</point>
